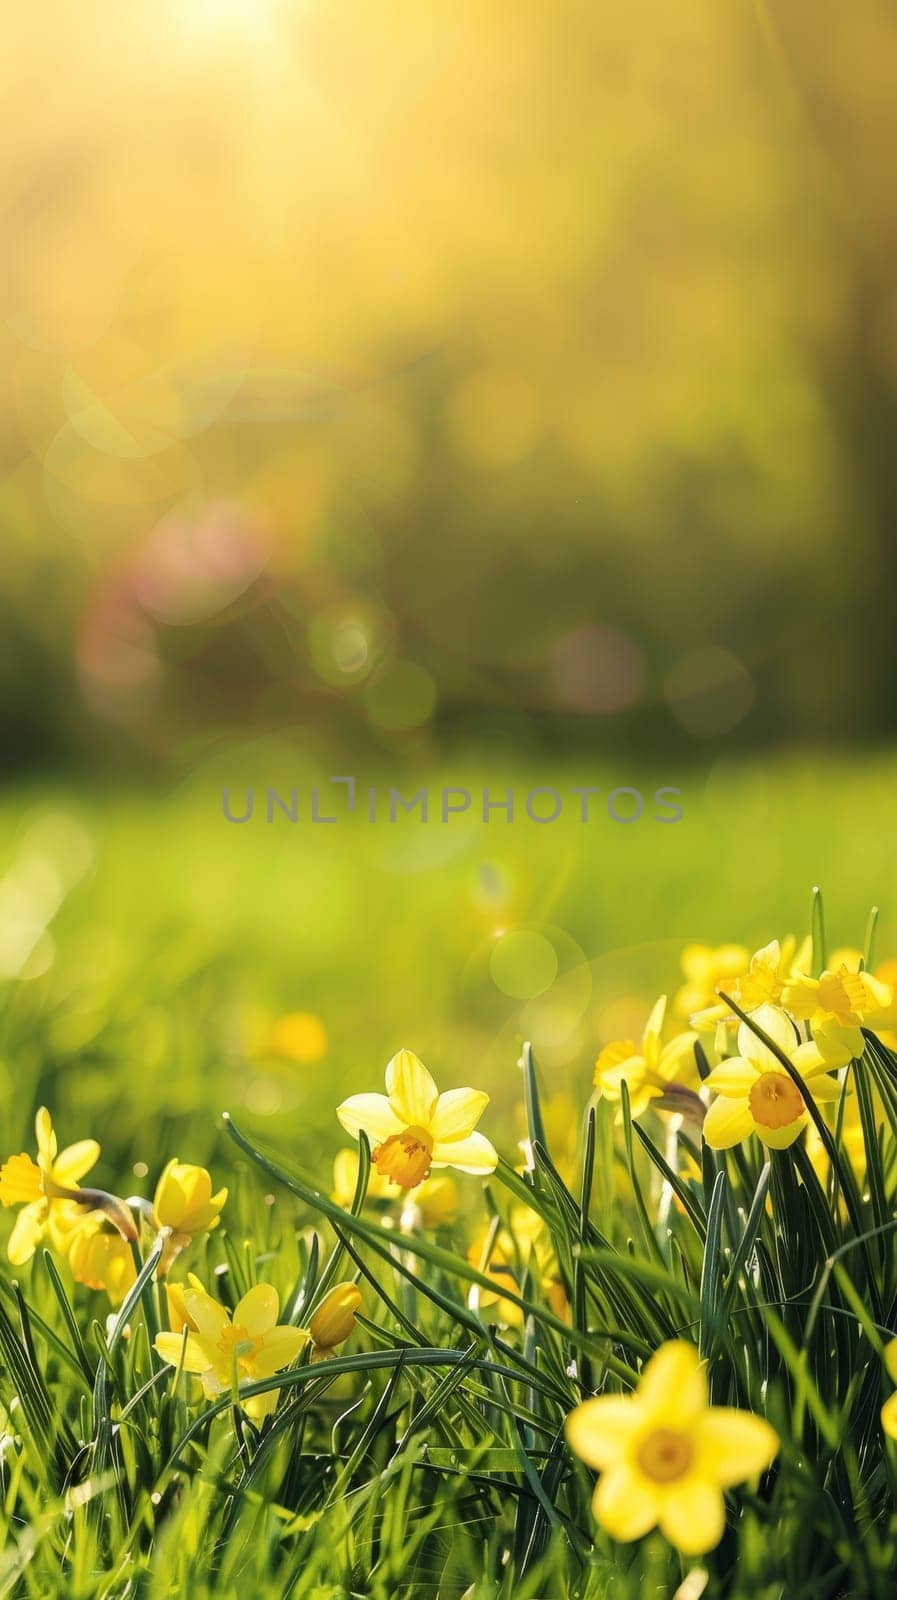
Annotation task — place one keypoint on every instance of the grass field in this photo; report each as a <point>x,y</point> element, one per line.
<point>161,967</point>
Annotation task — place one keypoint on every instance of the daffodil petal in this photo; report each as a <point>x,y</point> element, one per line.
<point>801,996</point>
<point>677,1059</point>
<point>257,1311</point>
<point>77,1159</point>
<point>600,1430</point>
<point>208,1317</point>
<point>734,1445</point>
<point>473,1154</point>
<point>889,1416</point>
<point>727,1122</point>
<point>693,1516</point>
<point>411,1090</point>
<point>778,1027</point>
<point>282,1345</point>
<point>629,1071</point>
<point>371,1113</point>
<point>734,1078</point>
<point>673,1387</point>
<point>653,1030</point>
<point>46,1138</point>
<point>624,1505</point>
<point>26,1234</point>
<point>457,1113</point>
<point>822,1087</point>
<point>170,1345</point>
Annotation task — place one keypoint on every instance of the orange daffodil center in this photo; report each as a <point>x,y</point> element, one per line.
<point>413,1127</point>
<point>666,1455</point>
<point>405,1157</point>
<point>775,1100</point>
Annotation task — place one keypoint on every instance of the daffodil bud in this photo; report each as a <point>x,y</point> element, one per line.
<point>335,1317</point>
<point>184,1202</point>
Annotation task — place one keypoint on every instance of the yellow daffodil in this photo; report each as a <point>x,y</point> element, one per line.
<point>225,1350</point>
<point>413,1127</point>
<point>754,1092</point>
<point>836,1005</point>
<point>429,1205</point>
<point>706,969</point>
<point>648,1071</point>
<point>761,983</point>
<point>665,1454</point>
<point>334,1319</point>
<point>889,1409</point>
<point>40,1186</point>
<point>184,1202</point>
<point>99,1257</point>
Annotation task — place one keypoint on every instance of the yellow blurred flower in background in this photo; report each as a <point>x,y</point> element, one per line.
<point>852,1142</point>
<point>665,1454</point>
<point>647,1071</point>
<point>707,968</point>
<point>419,1128</point>
<point>889,1409</point>
<point>299,1036</point>
<point>525,1244</point>
<point>39,1187</point>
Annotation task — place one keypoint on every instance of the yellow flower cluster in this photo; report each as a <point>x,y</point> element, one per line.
<point>664,1454</point>
<point>92,1229</point>
<point>797,1035</point>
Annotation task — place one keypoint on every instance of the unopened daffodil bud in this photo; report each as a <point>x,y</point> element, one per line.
<point>334,1319</point>
<point>184,1202</point>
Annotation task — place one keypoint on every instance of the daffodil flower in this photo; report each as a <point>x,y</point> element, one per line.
<point>707,968</point>
<point>99,1257</point>
<point>647,1072</point>
<point>761,983</point>
<point>413,1127</point>
<point>41,1186</point>
<point>836,1005</point>
<point>665,1454</point>
<point>754,1092</point>
<point>226,1351</point>
<point>184,1202</point>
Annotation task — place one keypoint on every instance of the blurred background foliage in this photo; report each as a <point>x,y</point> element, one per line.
<point>372,373</point>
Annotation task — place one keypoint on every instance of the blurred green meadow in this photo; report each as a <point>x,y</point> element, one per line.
<point>160,948</point>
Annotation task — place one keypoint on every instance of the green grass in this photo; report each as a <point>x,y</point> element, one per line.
<point>427,1458</point>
